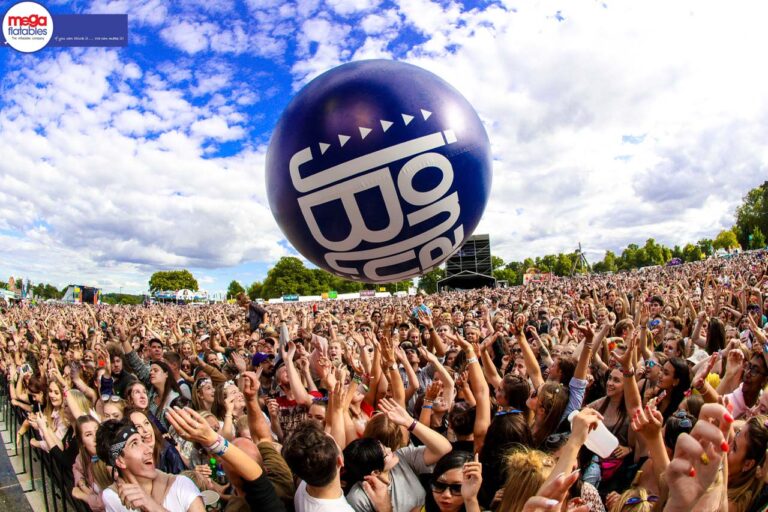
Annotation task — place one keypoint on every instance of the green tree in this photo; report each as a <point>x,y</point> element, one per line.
<point>172,280</point>
<point>692,253</point>
<point>752,213</point>
<point>508,275</point>
<point>496,262</point>
<point>654,253</point>
<point>428,282</point>
<point>756,239</point>
<point>122,298</point>
<point>705,246</point>
<point>726,239</point>
<point>254,291</point>
<point>234,289</point>
<point>609,263</point>
<point>288,276</point>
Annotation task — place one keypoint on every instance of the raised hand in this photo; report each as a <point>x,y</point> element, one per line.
<point>433,391</point>
<point>251,384</point>
<point>395,412</point>
<point>134,497</point>
<point>378,492</point>
<point>697,458</point>
<point>472,474</point>
<point>191,426</point>
<point>584,422</point>
<point>551,495</point>
<point>698,380</point>
<point>425,319</point>
<point>647,421</point>
<point>238,361</point>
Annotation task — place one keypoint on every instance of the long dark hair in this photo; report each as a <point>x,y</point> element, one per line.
<point>622,408</point>
<point>449,461</point>
<point>715,335</point>
<point>683,376</point>
<point>159,439</point>
<point>505,433</point>
<point>170,384</point>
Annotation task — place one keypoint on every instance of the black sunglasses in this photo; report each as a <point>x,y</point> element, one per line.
<point>440,487</point>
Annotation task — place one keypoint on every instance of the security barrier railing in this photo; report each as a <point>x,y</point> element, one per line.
<point>57,493</point>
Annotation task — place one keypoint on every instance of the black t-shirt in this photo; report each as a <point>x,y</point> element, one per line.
<point>65,459</point>
<point>260,495</point>
<point>255,315</point>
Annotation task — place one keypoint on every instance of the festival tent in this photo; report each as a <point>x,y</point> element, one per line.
<point>79,294</point>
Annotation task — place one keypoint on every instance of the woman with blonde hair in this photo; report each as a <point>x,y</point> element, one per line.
<point>527,470</point>
<point>634,499</point>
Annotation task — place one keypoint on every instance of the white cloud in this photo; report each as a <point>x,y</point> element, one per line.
<point>557,98</point>
<point>93,200</point>
<point>346,7</point>
<point>216,128</point>
<point>189,36</point>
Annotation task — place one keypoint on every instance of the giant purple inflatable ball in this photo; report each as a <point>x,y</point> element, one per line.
<point>378,171</point>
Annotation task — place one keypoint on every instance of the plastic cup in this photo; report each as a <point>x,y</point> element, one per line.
<point>210,499</point>
<point>601,440</point>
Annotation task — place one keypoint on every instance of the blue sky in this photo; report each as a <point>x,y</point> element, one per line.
<point>609,123</point>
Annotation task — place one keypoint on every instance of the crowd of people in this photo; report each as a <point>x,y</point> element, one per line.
<point>466,400</point>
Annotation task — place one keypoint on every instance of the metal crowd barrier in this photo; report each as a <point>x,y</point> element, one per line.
<point>56,492</point>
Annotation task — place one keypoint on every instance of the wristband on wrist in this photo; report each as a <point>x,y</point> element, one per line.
<point>630,372</point>
<point>471,360</point>
<point>413,426</point>
<point>426,407</point>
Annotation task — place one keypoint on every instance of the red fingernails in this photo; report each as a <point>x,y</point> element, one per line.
<point>724,446</point>
<point>692,473</point>
<point>727,417</point>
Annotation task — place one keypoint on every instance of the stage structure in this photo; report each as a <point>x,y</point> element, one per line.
<point>470,267</point>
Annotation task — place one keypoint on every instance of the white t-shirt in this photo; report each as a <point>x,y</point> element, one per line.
<point>180,496</point>
<point>303,502</point>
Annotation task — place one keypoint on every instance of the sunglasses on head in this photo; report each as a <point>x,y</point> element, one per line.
<point>651,363</point>
<point>440,487</point>
<point>110,398</point>
<point>636,499</point>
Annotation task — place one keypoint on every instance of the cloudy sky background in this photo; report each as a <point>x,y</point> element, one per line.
<point>610,122</point>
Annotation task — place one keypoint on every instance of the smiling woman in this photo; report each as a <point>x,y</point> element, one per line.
<point>137,483</point>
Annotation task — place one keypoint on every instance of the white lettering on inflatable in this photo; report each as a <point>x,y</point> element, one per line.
<point>345,192</point>
<point>419,163</point>
<point>361,164</point>
<point>371,172</point>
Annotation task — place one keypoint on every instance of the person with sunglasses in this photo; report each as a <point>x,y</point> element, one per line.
<point>454,484</point>
<point>651,375</point>
<point>634,499</point>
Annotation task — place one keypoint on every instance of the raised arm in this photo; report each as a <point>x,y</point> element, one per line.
<point>632,397</point>
<point>257,424</point>
<point>297,387</point>
<point>392,373</point>
<point>435,340</point>
<point>193,427</point>
<point>531,364</point>
<point>436,444</point>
